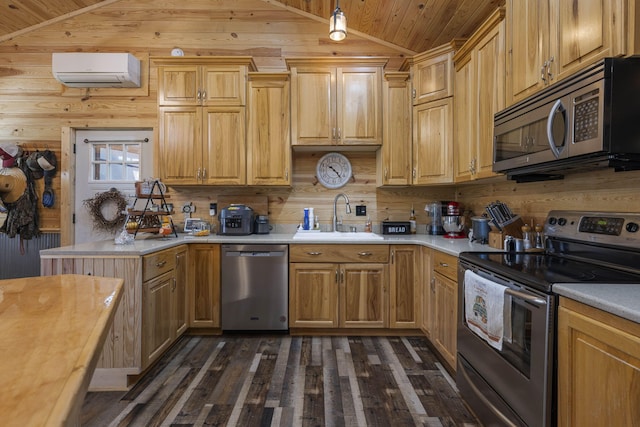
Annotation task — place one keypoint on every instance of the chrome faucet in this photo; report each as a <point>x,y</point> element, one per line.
<point>335,202</point>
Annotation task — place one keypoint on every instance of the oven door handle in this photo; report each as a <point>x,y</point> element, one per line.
<point>526,297</point>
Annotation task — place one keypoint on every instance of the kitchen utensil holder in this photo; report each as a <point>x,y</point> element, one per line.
<point>513,227</point>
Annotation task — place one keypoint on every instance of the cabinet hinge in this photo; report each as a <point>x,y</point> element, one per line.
<point>73,218</point>
<point>74,148</point>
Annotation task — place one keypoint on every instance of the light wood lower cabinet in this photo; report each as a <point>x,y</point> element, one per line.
<point>333,286</point>
<point>363,296</point>
<point>157,327</point>
<point>163,301</point>
<point>404,286</point>
<point>204,281</point>
<point>427,300</point>
<point>444,303</point>
<point>313,295</point>
<point>598,367</point>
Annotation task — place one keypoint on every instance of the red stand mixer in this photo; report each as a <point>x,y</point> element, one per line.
<point>453,222</point>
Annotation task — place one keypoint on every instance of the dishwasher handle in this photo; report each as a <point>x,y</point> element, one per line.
<point>254,253</point>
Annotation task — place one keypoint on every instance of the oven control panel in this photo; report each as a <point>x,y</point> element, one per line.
<point>597,227</point>
<point>601,225</point>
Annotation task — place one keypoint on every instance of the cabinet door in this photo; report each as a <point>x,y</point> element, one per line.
<point>433,142</point>
<point>179,145</point>
<point>180,293</point>
<point>179,85</point>
<point>157,325</point>
<point>527,33</point>
<point>313,295</point>
<point>432,78</point>
<point>359,106</point>
<point>224,85</point>
<point>204,279</point>
<point>582,32</point>
<point>427,292</point>
<point>224,142</point>
<point>394,157</point>
<point>363,296</point>
<point>488,87</point>
<point>269,130</point>
<point>598,367</point>
<point>465,125</point>
<point>405,282</point>
<point>446,309</point>
<point>313,98</point>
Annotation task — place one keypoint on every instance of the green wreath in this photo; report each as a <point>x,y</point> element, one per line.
<point>98,203</point>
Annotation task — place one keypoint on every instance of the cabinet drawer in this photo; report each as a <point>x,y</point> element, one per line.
<point>445,264</point>
<point>157,263</point>
<point>339,253</point>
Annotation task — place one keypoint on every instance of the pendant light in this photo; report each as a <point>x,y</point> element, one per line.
<point>337,24</point>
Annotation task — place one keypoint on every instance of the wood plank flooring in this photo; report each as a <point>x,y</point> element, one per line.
<point>281,380</point>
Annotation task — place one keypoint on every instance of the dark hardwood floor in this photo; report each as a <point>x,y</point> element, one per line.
<point>281,380</point>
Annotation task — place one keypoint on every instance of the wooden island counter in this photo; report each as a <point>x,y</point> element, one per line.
<point>53,329</point>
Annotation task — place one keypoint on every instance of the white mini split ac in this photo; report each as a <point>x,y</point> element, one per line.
<point>96,69</point>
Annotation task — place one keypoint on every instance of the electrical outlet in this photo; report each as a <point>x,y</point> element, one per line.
<point>361,210</point>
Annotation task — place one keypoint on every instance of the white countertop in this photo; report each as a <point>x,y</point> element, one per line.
<point>153,244</point>
<point>622,299</point>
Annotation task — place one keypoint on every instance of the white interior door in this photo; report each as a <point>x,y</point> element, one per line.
<point>105,159</point>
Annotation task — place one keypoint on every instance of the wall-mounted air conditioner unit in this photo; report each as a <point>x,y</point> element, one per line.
<point>96,69</point>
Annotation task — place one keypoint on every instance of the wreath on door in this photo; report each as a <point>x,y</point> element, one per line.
<point>107,210</point>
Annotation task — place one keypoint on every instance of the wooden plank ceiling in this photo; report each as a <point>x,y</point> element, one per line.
<point>415,25</point>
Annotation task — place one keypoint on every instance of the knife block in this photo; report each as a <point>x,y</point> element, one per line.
<point>513,227</point>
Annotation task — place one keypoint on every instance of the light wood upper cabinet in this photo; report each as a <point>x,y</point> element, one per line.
<point>404,285</point>
<point>268,130</point>
<point>336,102</point>
<point>598,367</point>
<point>203,81</point>
<point>479,94</point>
<point>202,120</point>
<point>550,40</point>
<point>394,157</point>
<point>433,74</point>
<point>433,142</point>
<point>202,145</point>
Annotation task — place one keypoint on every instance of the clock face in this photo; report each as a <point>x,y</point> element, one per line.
<point>333,170</point>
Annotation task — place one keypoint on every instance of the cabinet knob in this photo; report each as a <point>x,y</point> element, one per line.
<point>444,264</point>
<point>161,263</point>
<point>198,174</point>
<point>204,95</point>
<point>365,253</point>
<point>204,173</point>
<point>314,253</point>
<point>543,71</point>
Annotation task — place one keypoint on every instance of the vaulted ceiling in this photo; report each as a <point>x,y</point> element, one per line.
<point>414,25</point>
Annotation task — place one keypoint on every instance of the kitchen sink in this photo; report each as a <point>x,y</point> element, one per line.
<point>337,236</point>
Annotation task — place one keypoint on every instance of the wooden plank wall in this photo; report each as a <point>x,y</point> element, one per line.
<point>34,107</point>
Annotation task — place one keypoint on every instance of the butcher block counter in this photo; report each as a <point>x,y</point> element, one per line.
<point>53,330</point>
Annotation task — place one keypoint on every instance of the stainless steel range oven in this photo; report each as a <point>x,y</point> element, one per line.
<point>514,383</point>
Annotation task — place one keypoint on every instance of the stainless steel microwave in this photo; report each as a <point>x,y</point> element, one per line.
<point>589,120</point>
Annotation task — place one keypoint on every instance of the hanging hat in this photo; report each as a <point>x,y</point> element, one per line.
<point>9,151</point>
<point>34,166</point>
<point>13,184</point>
<point>47,161</point>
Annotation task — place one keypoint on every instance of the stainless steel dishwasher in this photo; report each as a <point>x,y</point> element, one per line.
<point>255,287</point>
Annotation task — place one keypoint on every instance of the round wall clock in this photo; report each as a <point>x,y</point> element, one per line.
<point>333,170</point>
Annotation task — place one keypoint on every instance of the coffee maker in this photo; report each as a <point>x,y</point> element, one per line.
<point>434,211</point>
